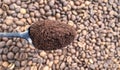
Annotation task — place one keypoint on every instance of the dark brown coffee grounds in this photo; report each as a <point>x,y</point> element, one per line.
<point>51,35</point>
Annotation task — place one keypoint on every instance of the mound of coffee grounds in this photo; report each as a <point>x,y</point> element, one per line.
<point>51,35</point>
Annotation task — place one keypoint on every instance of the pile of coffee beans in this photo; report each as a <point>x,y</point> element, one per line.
<point>96,46</point>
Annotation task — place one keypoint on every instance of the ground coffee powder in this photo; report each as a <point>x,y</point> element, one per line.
<point>51,35</point>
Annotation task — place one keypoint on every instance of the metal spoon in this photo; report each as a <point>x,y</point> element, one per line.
<point>24,35</point>
<point>47,38</point>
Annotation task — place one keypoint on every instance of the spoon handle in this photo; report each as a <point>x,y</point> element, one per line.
<point>24,35</point>
<point>15,34</point>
